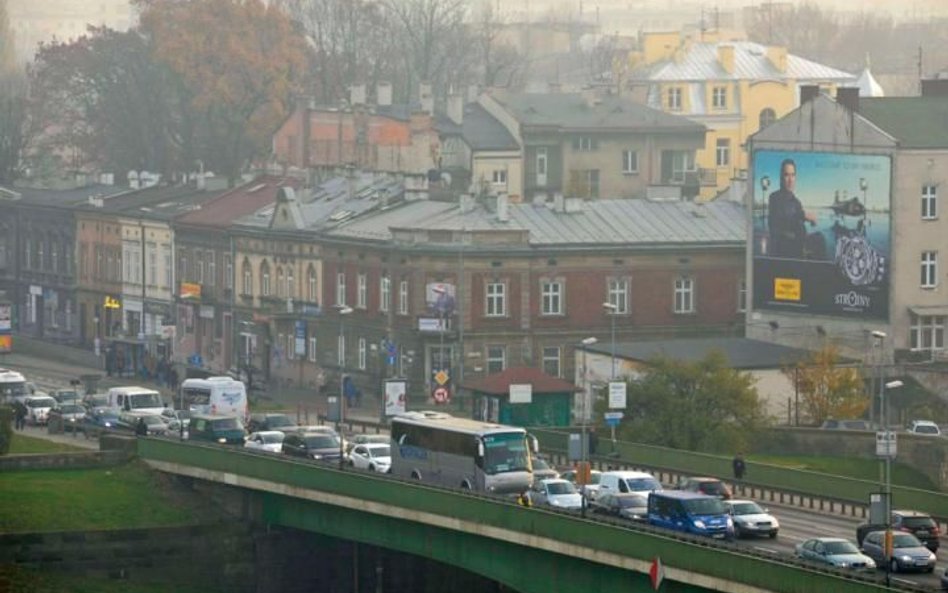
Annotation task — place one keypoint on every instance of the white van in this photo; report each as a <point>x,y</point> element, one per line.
<point>214,395</point>
<point>135,399</point>
<point>618,482</point>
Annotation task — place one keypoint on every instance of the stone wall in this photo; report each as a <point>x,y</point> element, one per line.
<point>77,460</point>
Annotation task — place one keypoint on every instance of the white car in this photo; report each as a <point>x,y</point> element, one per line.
<point>266,440</point>
<point>376,457</point>
<point>750,519</point>
<point>558,493</point>
<point>924,428</point>
<point>38,407</point>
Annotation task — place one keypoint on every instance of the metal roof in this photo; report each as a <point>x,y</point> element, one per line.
<point>741,353</point>
<point>479,129</point>
<point>699,62</point>
<point>916,122</point>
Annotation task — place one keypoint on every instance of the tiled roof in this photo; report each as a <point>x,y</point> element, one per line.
<point>240,201</point>
<point>740,353</point>
<point>915,122</point>
<point>499,383</point>
<point>700,63</point>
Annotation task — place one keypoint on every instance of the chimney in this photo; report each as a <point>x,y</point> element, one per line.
<point>573,205</point>
<point>456,109</point>
<point>848,97</point>
<point>808,92</point>
<point>778,57</point>
<point>357,94</point>
<point>559,202</point>
<point>383,94</point>
<point>473,92</point>
<point>467,203</point>
<point>726,57</point>
<point>503,207</point>
<point>426,98</point>
<point>935,87</point>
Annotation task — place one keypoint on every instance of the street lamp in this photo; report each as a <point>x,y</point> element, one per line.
<point>613,310</point>
<point>584,445</point>
<point>888,479</point>
<point>341,359</point>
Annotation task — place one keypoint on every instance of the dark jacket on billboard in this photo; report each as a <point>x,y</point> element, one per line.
<point>785,219</point>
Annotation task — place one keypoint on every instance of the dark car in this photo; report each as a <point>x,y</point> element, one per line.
<point>99,420</point>
<point>628,505</point>
<point>66,417</point>
<point>919,524</point>
<point>323,446</point>
<point>270,421</point>
<point>709,486</point>
<point>216,429</point>
<point>65,395</point>
<point>908,553</point>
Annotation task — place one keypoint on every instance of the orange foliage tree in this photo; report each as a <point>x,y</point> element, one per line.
<point>826,389</point>
<point>240,63</point>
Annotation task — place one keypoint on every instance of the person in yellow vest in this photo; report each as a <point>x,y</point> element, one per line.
<point>524,499</point>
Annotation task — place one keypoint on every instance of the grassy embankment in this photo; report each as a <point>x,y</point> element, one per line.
<point>863,469</point>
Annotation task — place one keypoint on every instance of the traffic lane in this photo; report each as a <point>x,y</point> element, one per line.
<point>798,525</point>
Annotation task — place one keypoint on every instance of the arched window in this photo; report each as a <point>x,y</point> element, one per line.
<point>311,289</point>
<point>767,116</point>
<point>280,286</point>
<point>290,284</point>
<point>247,272</point>
<point>264,279</point>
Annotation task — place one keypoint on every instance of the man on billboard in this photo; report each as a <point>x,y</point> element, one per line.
<point>786,216</point>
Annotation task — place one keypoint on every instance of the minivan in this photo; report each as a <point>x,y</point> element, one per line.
<point>216,429</point>
<point>622,482</point>
<point>690,512</point>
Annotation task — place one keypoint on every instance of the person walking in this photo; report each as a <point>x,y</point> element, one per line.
<point>739,466</point>
<point>19,415</point>
<point>141,429</point>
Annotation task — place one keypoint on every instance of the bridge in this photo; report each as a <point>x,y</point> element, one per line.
<point>490,536</point>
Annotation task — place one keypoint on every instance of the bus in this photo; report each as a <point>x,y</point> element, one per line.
<point>214,395</point>
<point>12,386</point>
<point>441,449</point>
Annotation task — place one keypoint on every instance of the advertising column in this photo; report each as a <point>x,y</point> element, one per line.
<point>821,239</point>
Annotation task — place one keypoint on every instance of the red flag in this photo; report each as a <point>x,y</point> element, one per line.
<point>656,573</point>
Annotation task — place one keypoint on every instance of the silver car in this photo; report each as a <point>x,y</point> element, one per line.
<point>835,551</point>
<point>750,519</point>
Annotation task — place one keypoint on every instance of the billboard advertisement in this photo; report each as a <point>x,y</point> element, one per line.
<point>440,298</point>
<point>821,234</point>
<point>395,396</point>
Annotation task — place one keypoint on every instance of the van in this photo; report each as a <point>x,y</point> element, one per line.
<point>690,512</point>
<point>214,395</point>
<point>216,429</point>
<point>135,399</point>
<point>622,482</point>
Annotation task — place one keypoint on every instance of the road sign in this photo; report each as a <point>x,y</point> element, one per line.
<point>613,422</point>
<point>441,377</point>
<point>617,393</point>
<point>441,395</point>
<point>614,415</point>
<point>886,444</point>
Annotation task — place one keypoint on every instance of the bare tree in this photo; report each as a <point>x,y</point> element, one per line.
<point>499,63</point>
<point>14,126</point>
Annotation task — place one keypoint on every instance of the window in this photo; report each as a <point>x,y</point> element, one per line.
<point>719,97</point>
<point>311,353</point>
<point>767,116</point>
<point>499,177</point>
<point>674,99</point>
<point>684,295</point>
<point>619,295</point>
<point>584,183</point>
<point>40,258</point>
<point>311,294</point>
<point>183,269</point>
<point>551,294</point>
<point>54,255</point>
<point>385,294</point>
<point>722,152</point>
<point>341,350</point>
<point>496,303</point>
<point>496,359</point>
<point>290,346</point>
<point>265,279</point>
<point>228,272</point>
<point>682,162</point>
<point>280,287</point>
<point>199,267</point>
<point>927,332</point>
<point>541,165</point>
<point>341,288</point>
<point>211,268</point>
<point>247,273</point>
<point>290,283</point>
<point>152,271</point>
<point>361,290</point>
<point>166,255</point>
<point>742,296</point>
<point>362,354</point>
<point>929,202</point>
<point>630,161</point>
<point>585,143</point>
<point>403,297</point>
<point>551,361</point>
<point>929,269</point>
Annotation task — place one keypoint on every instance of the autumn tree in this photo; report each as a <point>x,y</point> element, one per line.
<point>700,406</point>
<point>826,389</point>
<point>239,64</point>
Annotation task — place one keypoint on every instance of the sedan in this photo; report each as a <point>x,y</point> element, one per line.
<point>558,493</point>
<point>99,420</point>
<point>627,505</point>
<point>376,457</point>
<point>266,440</point>
<point>834,551</point>
<point>153,422</point>
<point>66,417</point>
<point>750,519</point>
<point>908,553</point>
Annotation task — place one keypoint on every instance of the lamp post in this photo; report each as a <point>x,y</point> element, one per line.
<point>584,445</point>
<point>341,345</point>
<point>880,336</point>
<point>888,484</point>
<point>612,310</point>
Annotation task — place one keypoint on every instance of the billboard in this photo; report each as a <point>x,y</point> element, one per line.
<point>821,233</point>
<point>440,298</point>
<point>395,396</point>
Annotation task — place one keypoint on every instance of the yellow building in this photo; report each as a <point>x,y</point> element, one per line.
<point>735,88</point>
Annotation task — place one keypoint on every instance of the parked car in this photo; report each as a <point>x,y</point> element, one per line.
<point>919,524</point>
<point>99,420</point>
<point>37,408</point>
<point>832,424</point>
<point>619,482</point>
<point>705,485</point>
<point>908,553</point>
<point>312,445</point>
<point>65,395</point>
<point>542,469</point>
<point>750,519</point>
<point>591,490</point>
<point>266,440</point>
<point>376,457</point>
<point>153,422</point>
<point>925,428</point>
<point>630,505</point>
<point>65,417</point>
<point>270,421</point>
<point>834,551</point>
<point>217,429</point>
<point>556,492</point>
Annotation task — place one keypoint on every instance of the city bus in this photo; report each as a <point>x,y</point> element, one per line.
<point>441,449</point>
<point>214,395</point>
<point>12,386</point>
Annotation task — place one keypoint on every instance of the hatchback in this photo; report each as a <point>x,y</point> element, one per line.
<point>908,553</point>
<point>919,524</point>
<point>558,493</point>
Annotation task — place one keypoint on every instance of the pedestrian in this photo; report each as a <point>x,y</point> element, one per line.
<point>173,379</point>
<point>19,415</point>
<point>524,499</point>
<point>739,467</point>
<point>141,429</point>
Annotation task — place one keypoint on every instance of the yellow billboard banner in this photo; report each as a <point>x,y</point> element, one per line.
<point>190,290</point>
<point>6,343</point>
<point>787,289</point>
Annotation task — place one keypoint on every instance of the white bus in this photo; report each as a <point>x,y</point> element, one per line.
<point>12,386</point>
<point>214,395</point>
<point>458,452</point>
